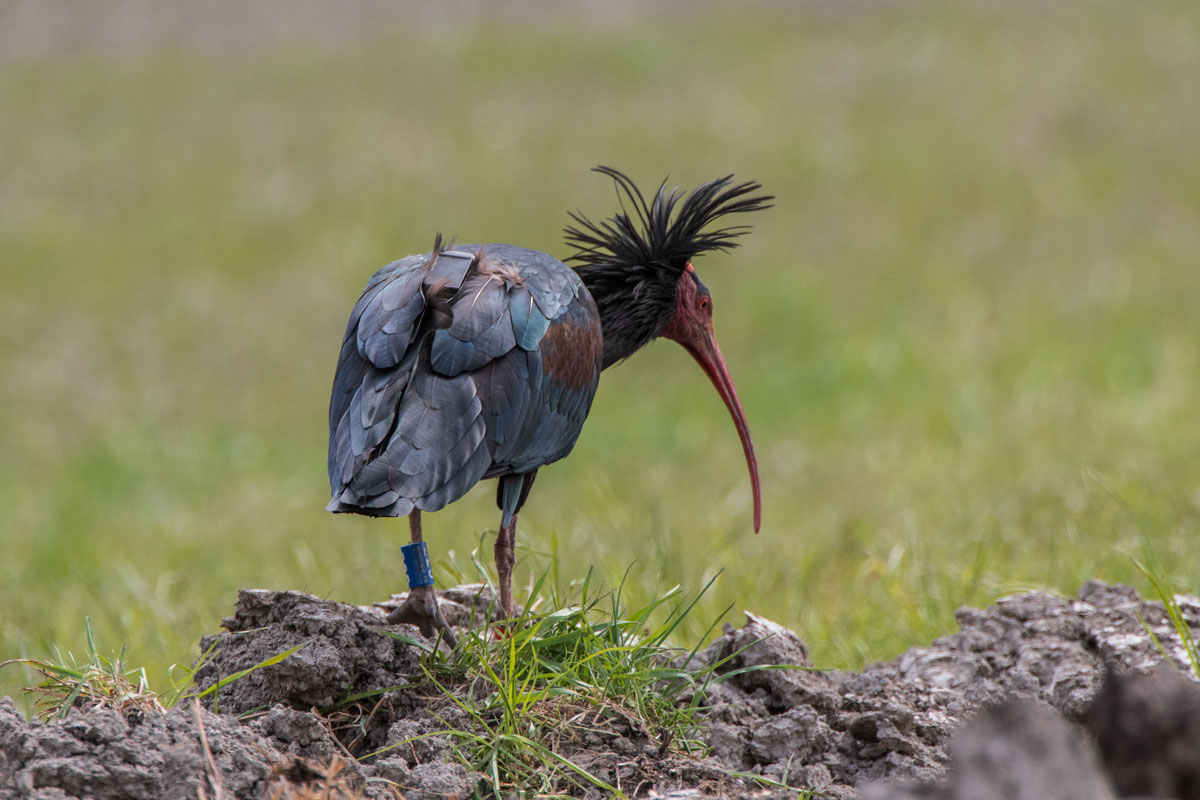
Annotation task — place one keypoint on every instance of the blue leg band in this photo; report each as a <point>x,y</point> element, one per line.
<point>416,565</point>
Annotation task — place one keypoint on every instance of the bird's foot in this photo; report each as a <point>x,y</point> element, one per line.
<point>421,609</point>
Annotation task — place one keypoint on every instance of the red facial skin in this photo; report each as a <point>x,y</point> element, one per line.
<point>692,327</point>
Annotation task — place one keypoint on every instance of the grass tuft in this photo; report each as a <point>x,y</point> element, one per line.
<point>96,680</point>
<point>107,681</point>
<point>540,692</point>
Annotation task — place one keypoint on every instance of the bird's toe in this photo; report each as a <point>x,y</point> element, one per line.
<point>421,609</point>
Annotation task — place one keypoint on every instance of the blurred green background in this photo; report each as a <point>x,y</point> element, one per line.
<point>967,337</point>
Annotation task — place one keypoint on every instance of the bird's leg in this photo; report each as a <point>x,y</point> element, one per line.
<point>505,557</point>
<point>420,608</point>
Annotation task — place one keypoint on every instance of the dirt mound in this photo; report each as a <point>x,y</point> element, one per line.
<point>1038,695</point>
<point>834,730</point>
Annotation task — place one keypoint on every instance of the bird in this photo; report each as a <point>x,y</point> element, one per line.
<point>481,361</point>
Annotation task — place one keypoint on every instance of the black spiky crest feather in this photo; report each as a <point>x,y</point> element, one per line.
<point>632,265</point>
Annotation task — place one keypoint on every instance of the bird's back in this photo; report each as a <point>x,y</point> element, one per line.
<point>477,362</point>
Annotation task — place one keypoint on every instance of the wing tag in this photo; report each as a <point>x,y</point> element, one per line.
<point>449,270</point>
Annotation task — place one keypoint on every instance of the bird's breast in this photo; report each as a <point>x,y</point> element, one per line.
<point>572,349</point>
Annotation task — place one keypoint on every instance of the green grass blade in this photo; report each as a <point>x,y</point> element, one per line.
<point>237,676</point>
<point>1183,630</point>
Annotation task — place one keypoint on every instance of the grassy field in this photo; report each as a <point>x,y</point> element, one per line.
<point>967,337</point>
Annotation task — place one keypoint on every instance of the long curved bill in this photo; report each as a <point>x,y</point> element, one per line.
<point>707,353</point>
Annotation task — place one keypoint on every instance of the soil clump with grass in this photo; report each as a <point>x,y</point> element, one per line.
<point>1035,696</point>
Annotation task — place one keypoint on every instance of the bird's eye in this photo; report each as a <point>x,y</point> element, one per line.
<point>705,304</point>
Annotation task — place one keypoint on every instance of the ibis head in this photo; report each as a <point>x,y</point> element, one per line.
<point>637,265</point>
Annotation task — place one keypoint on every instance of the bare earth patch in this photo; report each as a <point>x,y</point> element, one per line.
<point>1035,696</point>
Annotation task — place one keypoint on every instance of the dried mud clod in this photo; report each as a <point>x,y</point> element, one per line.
<point>341,648</point>
<point>1020,679</point>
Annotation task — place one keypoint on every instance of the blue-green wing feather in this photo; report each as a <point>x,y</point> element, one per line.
<point>459,368</point>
